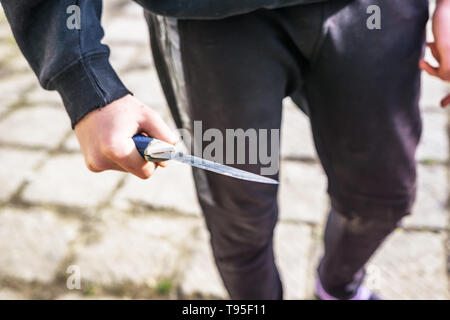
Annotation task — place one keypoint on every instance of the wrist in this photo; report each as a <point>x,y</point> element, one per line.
<point>88,84</point>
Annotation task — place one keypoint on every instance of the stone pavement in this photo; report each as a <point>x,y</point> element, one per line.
<point>133,239</point>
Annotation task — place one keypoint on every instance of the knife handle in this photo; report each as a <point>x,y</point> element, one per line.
<point>141,143</point>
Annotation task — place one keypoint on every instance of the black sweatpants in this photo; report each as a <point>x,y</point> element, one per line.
<point>360,89</point>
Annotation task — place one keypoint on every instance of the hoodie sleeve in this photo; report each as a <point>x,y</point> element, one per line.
<point>61,41</point>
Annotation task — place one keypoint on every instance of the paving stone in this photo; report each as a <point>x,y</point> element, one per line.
<point>292,251</point>
<point>434,142</point>
<point>33,243</point>
<point>126,31</point>
<point>316,254</point>
<point>44,97</point>
<point>296,137</point>
<point>5,31</point>
<point>71,296</point>
<point>14,86</point>
<point>123,56</point>
<point>145,86</point>
<point>65,180</point>
<point>35,126</point>
<point>7,294</point>
<point>432,7</point>
<point>430,208</point>
<point>12,61</point>
<point>19,65</point>
<point>292,242</point>
<point>4,106</point>
<point>410,265</point>
<point>170,188</point>
<point>113,8</point>
<point>433,89</point>
<point>132,10</point>
<point>177,230</point>
<point>136,249</point>
<point>171,124</point>
<point>17,167</point>
<point>5,34</point>
<point>201,277</point>
<point>75,296</point>
<point>72,144</point>
<point>3,21</point>
<point>431,86</point>
<point>302,192</point>
<point>6,50</point>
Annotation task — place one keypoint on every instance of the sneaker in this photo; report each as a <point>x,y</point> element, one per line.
<point>362,294</point>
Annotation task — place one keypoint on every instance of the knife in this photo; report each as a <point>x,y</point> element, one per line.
<point>156,150</point>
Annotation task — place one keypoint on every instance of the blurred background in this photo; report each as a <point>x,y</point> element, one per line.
<point>126,238</point>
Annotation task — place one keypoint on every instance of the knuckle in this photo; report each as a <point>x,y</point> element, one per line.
<point>146,172</point>
<point>93,167</point>
<point>94,163</point>
<point>111,151</point>
<point>145,175</point>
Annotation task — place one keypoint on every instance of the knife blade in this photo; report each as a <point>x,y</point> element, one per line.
<point>156,150</point>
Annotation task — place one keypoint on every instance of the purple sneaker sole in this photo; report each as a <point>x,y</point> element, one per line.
<point>362,294</point>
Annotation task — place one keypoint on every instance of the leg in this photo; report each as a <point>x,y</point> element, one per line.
<point>363,90</point>
<point>349,244</point>
<point>231,77</point>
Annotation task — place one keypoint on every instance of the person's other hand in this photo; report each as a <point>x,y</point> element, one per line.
<point>441,47</point>
<point>105,136</point>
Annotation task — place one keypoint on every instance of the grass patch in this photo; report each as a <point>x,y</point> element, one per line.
<point>89,291</point>
<point>429,161</point>
<point>164,287</point>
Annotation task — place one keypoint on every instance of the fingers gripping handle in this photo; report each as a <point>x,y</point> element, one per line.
<point>141,143</point>
<point>152,149</point>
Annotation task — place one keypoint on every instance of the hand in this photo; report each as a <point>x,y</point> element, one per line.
<point>105,136</point>
<point>441,47</point>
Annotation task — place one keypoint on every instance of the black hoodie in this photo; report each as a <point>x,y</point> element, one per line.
<point>75,63</point>
<point>210,9</point>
